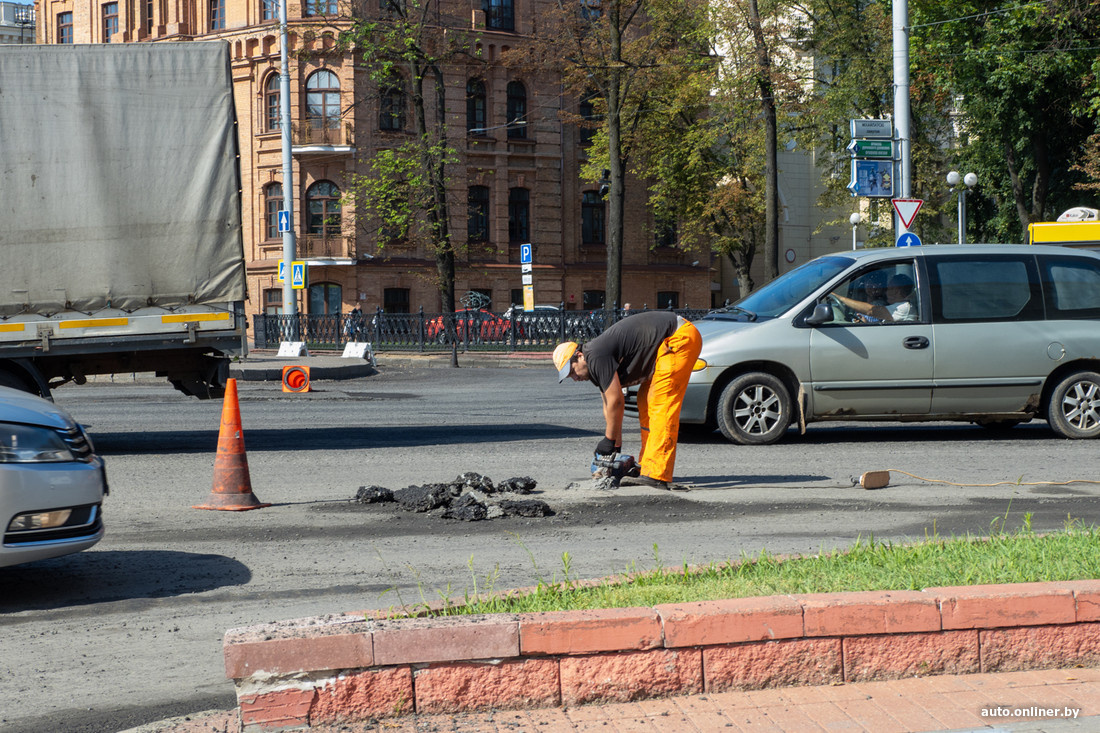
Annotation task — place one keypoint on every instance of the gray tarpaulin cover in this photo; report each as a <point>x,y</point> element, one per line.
<point>118,177</point>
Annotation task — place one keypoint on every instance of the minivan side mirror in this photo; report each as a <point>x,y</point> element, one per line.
<point>823,313</point>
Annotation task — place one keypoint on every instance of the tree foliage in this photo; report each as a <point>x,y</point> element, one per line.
<point>407,194</point>
<point>1024,77</point>
<point>627,57</point>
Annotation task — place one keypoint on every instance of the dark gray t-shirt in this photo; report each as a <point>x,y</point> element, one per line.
<point>629,348</point>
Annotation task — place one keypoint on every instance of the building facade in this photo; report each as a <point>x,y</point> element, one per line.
<point>16,22</point>
<point>513,184</point>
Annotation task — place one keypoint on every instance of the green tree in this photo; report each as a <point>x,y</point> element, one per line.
<point>620,54</point>
<point>405,195</point>
<point>848,48</point>
<point>1024,80</point>
<point>707,157</point>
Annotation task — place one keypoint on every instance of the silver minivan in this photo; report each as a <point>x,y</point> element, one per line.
<point>990,334</point>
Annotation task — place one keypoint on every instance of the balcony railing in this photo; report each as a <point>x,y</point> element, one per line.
<point>314,245</point>
<point>312,133</point>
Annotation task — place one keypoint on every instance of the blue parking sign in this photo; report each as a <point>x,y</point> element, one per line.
<point>525,254</point>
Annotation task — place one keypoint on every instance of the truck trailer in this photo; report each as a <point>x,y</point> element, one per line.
<point>120,215</point>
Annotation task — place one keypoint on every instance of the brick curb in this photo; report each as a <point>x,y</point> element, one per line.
<point>346,668</point>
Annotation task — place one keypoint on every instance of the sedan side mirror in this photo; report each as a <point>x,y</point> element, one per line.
<point>823,313</point>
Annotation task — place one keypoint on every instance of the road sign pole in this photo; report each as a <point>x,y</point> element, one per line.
<point>901,101</point>
<point>290,298</point>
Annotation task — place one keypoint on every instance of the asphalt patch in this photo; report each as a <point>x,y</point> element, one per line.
<point>471,497</point>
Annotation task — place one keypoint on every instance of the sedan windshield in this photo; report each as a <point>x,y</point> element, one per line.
<point>785,292</point>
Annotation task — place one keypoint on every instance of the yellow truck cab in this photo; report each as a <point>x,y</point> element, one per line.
<point>1077,227</point>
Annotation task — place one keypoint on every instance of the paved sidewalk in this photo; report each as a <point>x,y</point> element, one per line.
<point>1016,702</point>
<point>266,366</point>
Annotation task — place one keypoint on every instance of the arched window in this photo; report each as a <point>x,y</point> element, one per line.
<point>475,106</point>
<point>323,210</point>
<point>273,111</point>
<point>391,106</point>
<point>592,218</point>
<point>517,110</point>
<point>325,299</point>
<point>323,100</point>
<point>519,213</point>
<point>273,204</point>
<point>477,223</point>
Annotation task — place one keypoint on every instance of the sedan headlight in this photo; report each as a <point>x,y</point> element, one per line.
<point>32,444</point>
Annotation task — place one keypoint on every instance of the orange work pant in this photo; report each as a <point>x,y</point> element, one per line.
<point>660,398</point>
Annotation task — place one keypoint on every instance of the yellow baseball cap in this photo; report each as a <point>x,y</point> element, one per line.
<point>563,359</point>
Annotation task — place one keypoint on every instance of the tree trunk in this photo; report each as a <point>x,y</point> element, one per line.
<point>433,163</point>
<point>1039,189</point>
<point>771,150</point>
<point>1017,186</point>
<point>615,223</point>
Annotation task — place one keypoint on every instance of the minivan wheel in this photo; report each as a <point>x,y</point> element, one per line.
<point>1074,409</point>
<point>754,409</point>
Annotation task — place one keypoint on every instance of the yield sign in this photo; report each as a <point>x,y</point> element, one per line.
<point>907,209</point>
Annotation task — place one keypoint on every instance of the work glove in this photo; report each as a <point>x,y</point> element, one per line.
<point>607,447</point>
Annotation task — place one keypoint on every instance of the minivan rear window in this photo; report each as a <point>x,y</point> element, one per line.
<point>1072,286</point>
<point>985,289</point>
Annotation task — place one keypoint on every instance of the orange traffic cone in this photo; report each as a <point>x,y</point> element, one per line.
<point>232,485</point>
<point>296,379</point>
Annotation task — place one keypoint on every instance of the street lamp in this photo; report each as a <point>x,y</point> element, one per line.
<point>971,180</point>
<point>854,219</point>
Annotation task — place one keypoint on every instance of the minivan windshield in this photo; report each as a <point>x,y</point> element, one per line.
<point>786,291</point>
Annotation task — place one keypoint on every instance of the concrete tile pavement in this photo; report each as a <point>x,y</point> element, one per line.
<point>1042,701</point>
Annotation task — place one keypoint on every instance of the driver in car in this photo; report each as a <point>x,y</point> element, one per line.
<point>899,303</point>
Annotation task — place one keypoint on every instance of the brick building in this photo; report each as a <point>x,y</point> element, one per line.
<point>521,181</point>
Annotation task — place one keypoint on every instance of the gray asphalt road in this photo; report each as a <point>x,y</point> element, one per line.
<point>131,631</point>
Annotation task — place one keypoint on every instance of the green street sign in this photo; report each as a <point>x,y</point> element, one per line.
<point>872,148</point>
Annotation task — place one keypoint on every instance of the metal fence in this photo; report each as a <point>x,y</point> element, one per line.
<point>467,330</point>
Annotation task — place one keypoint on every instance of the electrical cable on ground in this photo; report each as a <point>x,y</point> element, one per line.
<point>879,479</point>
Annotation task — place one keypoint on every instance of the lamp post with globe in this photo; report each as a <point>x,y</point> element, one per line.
<point>971,180</point>
<point>854,219</point>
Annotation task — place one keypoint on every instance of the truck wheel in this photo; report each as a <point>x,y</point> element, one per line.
<point>1074,409</point>
<point>754,409</point>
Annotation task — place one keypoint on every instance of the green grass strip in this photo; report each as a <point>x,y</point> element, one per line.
<point>1017,557</point>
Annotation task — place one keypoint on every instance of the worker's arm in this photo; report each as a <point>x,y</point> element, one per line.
<point>613,403</point>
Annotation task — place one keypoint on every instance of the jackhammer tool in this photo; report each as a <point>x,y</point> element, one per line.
<point>614,466</point>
